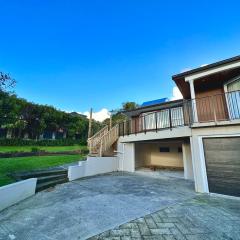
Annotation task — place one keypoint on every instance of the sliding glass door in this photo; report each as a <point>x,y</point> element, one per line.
<point>233,99</point>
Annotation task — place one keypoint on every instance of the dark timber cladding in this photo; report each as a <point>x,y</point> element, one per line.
<point>222,157</point>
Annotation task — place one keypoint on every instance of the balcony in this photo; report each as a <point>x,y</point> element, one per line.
<point>212,110</point>
<point>155,121</point>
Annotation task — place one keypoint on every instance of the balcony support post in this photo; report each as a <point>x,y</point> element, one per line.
<point>193,97</point>
<point>214,110</point>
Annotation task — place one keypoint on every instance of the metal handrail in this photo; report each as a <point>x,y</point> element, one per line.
<point>214,108</point>
<point>161,119</point>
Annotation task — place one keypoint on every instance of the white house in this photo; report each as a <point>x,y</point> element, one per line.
<point>200,133</point>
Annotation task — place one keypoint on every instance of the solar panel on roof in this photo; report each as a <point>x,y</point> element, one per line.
<point>154,102</point>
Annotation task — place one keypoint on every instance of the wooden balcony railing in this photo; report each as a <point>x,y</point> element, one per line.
<point>216,108</point>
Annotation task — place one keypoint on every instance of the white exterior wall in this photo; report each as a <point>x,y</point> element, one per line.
<point>16,192</point>
<point>93,166</point>
<point>199,166</point>
<point>126,155</point>
<point>198,158</point>
<point>187,161</point>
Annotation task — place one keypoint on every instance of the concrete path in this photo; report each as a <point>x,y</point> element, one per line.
<point>84,208</point>
<point>201,218</point>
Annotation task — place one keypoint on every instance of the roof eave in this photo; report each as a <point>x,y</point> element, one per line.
<point>209,66</point>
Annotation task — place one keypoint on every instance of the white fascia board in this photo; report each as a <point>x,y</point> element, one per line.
<point>211,71</point>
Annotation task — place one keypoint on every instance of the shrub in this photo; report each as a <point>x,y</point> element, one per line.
<point>35,149</point>
<point>84,151</point>
<point>24,142</point>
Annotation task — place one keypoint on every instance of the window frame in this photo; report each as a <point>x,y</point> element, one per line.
<point>226,92</point>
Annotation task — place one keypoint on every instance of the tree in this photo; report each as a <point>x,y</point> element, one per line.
<point>129,106</point>
<point>6,81</point>
<point>20,118</point>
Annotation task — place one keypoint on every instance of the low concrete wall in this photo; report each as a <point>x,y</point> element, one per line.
<point>75,172</point>
<point>93,166</point>
<point>16,192</point>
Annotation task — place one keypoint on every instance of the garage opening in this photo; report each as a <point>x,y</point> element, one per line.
<point>222,156</point>
<point>162,157</point>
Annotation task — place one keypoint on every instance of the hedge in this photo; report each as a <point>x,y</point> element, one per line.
<point>24,142</point>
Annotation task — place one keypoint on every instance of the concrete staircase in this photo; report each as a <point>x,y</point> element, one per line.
<point>45,178</point>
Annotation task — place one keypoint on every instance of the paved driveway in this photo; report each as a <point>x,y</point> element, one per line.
<point>84,208</point>
<point>201,218</point>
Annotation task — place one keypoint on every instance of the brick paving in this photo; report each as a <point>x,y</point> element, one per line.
<point>202,218</point>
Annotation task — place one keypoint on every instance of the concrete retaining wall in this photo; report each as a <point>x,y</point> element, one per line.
<point>93,166</point>
<point>16,192</point>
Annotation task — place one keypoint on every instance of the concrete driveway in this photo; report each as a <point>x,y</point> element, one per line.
<point>84,208</point>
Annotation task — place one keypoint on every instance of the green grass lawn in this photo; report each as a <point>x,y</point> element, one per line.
<point>10,165</point>
<point>5,149</point>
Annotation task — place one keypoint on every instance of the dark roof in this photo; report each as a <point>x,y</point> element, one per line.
<point>184,86</point>
<point>163,105</point>
<point>216,64</point>
<point>154,102</point>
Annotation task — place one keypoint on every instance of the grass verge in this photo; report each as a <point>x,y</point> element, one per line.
<point>10,165</point>
<point>6,149</point>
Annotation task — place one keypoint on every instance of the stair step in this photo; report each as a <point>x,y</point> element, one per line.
<point>40,173</point>
<point>46,185</point>
<point>50,178</point>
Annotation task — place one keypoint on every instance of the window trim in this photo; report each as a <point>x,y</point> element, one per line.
<point>225,86</point>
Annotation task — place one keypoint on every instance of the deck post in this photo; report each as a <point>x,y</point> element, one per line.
<point>156,125</point>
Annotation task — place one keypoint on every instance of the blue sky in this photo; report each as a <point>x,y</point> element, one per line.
<point>80,54</point>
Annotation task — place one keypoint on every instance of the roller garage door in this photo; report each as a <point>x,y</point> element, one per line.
<point>222,156</point>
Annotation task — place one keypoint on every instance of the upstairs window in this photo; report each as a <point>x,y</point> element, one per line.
<point>234,86</point>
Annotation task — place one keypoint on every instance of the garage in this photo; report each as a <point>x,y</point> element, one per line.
<point>222,156</point>
<point>159,155</point>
